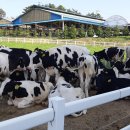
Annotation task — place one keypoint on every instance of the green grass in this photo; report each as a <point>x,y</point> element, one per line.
<point>120,39</point>
<point>28,45</point>
<point>31,46</point>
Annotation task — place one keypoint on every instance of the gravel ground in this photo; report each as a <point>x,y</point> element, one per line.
<point>110,116</point>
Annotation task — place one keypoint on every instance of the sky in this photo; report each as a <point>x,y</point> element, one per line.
<point>106,8</point>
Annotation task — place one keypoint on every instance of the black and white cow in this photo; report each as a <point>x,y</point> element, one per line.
<point>112,53</point>
<point>13,59</point>
<point>72,57</point>
<point>109,56</point>
<point>58,57</point>
<point>110,80</point>
<point>68,92</point>
<point>25,93</point>
<point>122,73</point>
<point>19,58</point>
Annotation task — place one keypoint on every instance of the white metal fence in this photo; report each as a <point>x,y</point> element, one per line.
<point>58,110</point>
<point>57,41</point>
<point>126,128</point>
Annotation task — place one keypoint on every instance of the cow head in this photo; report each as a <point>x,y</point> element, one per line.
<point>115,53</point>
<point>119,65</point>
<point>68,92</point>
<point>69,75</point>
<point>104,81</point>
<point>35,60</point>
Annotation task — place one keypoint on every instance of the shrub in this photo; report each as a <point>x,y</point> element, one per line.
<point>90,31</point>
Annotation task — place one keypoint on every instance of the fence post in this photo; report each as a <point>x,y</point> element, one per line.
<point>57,103</point>
<point>24,40</point>
<point>1,39</point>
<point>104,44</point>
<point>94,43</point>
<point>125,44</point>
<point>16,39</point>
<point>8,39</point>
<point>57,42</point>
<point>32,41</point>
<point>66,42</point>
<point>114,44</point>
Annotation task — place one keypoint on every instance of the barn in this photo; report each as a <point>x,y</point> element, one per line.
<point>47,17</point>
<point>40,18</point>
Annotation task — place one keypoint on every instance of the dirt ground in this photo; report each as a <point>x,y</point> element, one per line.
<point>110,116</point>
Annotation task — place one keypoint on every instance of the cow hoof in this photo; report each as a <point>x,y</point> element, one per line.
<point>77,114</point>
<point>45,103</point>
<point>21,105</point>
<point>84,112</point>
<point>10,102</point>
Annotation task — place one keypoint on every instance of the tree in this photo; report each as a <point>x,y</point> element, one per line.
<point>69,11</point>
<point>74,11</point>
<point>26,9</point>
<point>99,32</point>
<point>61,7</point>
<point>50,6</point>
<point>81,31</point>
<point>2,13</point>
<point>94,15</point>
<point>107,32</point>
<point>116,31</point>
<point>65,32</point>
<point>125,31</point>
<point>72,31</point>
<point>58,33</point>
<point>90,31</point>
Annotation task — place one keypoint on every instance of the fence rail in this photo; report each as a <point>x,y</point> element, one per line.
<point>58,109</point>
<point>57,41</point>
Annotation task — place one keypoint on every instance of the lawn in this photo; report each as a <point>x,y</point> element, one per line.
<point>42,46</point>
<point>120,39</point>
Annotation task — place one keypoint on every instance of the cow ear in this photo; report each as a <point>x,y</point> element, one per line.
<point>41,53</point>
<point>36,49</point>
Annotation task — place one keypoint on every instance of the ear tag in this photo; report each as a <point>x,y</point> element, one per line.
<point>17,87</point>
<point>17,74</point>
<point>43,55</point>
<point>109,80</point>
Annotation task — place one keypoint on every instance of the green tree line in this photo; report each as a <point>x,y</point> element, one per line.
<point>69,32</point>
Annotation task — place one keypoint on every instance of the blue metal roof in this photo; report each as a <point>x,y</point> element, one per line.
<point>64,19</point>
<point>28,23</point>
<point>82,21</point>
<point>6,25</point>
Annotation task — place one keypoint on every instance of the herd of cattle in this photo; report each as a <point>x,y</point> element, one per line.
<point>26,76</point>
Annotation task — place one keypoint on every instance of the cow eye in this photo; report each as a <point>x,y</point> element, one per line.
<point>109,80</point>
<point>77,96</point>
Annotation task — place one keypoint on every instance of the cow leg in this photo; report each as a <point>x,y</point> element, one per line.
<point>57,75</point>
<point>10,101</point>
<point>47,78</point>
<point>15,102</point>
<point>87,83</point>
<point>81,77</point>
<point>25,103</point>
